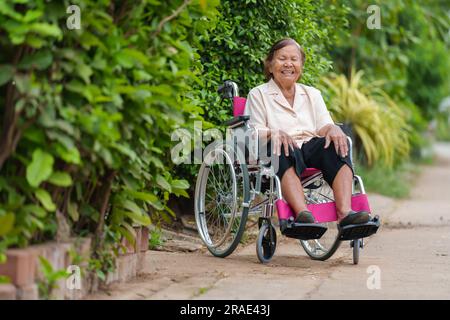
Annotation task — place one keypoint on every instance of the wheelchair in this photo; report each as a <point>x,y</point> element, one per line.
<point>234,181</point>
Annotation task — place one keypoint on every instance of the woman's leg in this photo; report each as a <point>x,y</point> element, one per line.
<point>338,174</point>
<point>342,189</point>
<point>292,190</point>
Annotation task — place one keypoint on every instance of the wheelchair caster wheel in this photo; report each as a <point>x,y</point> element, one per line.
<point>357,245</point>
<point>266,242</point>
<point>361,243</point>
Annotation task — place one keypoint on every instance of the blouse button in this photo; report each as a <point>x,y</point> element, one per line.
<point>294,115</point>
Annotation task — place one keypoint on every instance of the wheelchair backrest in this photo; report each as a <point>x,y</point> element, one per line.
<point>238,106</point>
<point>229,90</point>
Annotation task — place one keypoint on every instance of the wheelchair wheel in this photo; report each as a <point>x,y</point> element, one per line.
<point>323,248</point>
<point>357,245</point>
<point>222,194</point>
<point>266,242</point>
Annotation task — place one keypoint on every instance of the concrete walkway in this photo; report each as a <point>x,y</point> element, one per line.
<point>409,258</point>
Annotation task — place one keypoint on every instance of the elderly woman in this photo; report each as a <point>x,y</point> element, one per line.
<point>301,133</point>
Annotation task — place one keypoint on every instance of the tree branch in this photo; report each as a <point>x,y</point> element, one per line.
<point>172,16</point>
<point>102,195</point>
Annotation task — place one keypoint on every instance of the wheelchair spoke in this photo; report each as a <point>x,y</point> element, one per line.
<point>215,182</point>
<point>324,247</point>
<point>222,185</point>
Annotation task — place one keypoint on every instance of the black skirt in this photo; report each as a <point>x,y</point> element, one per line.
<point>312,154</point>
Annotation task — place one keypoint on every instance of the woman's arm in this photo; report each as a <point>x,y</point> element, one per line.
<point>258,119</point>
<point>332,132</point>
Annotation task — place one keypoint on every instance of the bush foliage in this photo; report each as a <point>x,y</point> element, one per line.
<point>86,115</point>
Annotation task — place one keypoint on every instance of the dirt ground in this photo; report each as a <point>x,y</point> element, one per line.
<point>409,258</point>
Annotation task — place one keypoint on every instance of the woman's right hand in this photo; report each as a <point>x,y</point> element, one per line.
<point>281,139</point>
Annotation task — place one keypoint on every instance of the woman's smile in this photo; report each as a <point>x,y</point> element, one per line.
<point>287,64</point>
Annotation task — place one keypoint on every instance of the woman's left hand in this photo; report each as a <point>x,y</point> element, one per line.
<point>339,139</point>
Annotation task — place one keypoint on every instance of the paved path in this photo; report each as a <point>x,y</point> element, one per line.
<point>410,254</point>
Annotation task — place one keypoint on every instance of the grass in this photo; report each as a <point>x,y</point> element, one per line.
<point>394,182</point>
<point>156,239</point>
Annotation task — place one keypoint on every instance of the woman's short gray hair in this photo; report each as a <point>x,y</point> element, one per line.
<point>277,46</point>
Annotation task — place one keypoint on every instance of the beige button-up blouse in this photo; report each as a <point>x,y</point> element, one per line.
<point>269,109</point>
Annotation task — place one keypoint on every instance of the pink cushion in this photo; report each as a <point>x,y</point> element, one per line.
<point>309,172</point>
<point>323,212</point>
<point>238,106</point>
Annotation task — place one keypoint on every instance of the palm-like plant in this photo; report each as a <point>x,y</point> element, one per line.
<point>378,122</point>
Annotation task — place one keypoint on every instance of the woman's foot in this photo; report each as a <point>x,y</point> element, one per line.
<point>305,217</point>
<point>355,217</point>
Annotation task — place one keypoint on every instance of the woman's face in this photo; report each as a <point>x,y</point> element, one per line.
<point>286,66</point>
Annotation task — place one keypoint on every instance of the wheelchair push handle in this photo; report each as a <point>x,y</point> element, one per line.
<point>228,90</point>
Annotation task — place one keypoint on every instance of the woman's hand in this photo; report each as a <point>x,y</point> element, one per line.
<point>335,134</point>
<point>280,138</point>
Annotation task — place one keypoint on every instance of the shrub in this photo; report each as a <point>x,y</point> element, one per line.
<point>377,121</point>
<point>86,115</point>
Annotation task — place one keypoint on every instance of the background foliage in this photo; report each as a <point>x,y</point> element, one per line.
<point>410,54</point>
<point>86,116</point>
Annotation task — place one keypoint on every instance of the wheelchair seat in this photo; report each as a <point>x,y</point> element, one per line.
<point>309,172</point>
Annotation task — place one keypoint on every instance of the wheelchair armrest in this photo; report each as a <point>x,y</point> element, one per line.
<point>237,121</point>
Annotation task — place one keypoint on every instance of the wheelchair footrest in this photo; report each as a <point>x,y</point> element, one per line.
<point>358,231</point>
<point>304,231</point>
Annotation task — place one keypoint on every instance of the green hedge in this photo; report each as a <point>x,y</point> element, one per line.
<point>86,115</point>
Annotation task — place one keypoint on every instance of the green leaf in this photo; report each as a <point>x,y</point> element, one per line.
<point>40,168</point>
<point>127,58</point>
<point>38,223</point>
<point>70,155</point>
<point>46,200</point>
<point>36,210</point>
<point>147,197</point>
<point>170,211</point>
<point>85,72</point>
<point>132,206</point>
<point>128,232</point>
<point>46,30</point>
<point>60,179</point>
<point>40,60</point>
<point>140,218</point>
<point>32,15</point>
<point>46,267</point>
<point>101,275</point>
<point>6,73</point>
<point>180,184</point>
<point>162,182</point>
<point>6,223</point>
<point>72,210</point>
<point>180,192</point>
<point>8,10</point>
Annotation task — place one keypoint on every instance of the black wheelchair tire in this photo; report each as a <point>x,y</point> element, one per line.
<point>265,249</point>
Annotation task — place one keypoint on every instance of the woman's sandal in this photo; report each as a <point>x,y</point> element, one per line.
<point>305,217</point>
<point>304,227</point>
<point>354,217</point>
<point>358,225</point>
